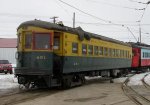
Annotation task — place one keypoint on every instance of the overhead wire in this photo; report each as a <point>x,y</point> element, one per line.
<point>115,5</point>
<point>107,21</point>
<point>143,13</point>
<point>62,8</point>
<point>85,12</point>
<point>139,2</point>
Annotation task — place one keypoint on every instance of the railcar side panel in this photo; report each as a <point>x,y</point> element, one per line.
<point>145,57</point>
<point>80,64</point>
<point>116,56</point>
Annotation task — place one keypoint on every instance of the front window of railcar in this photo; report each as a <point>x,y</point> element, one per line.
<point>42,41</point>
<point>18,40</point>
<point>28,40</point>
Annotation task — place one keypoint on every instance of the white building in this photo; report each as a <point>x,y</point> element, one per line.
<point>8,49</point>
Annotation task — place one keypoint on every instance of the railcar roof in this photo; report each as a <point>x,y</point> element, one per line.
<point>78,30</point>
<point>140,45</point>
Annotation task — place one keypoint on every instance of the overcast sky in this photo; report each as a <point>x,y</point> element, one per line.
<point>105,17</point>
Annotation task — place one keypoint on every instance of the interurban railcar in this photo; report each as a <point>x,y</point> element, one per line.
<point>56,55</point>
<point>141,57</point>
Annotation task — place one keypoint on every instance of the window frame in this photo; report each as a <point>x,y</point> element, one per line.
<point>51,40</point>
<point>59,45</point>
<point>77,47</point>
<point>105,51</point>
<point>85,45</point>
<point>101,50</point>
<point>25,40</point>
<point>96,50</point>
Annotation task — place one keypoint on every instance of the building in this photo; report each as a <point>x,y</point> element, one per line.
<point>8,49</point>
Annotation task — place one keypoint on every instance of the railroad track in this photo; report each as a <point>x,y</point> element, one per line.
<point>18,97</point>
<point>137,98</point>
<point>144,83</point>
<point>27,95</point>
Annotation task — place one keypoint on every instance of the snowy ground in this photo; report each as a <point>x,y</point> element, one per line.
<point>9,81</point>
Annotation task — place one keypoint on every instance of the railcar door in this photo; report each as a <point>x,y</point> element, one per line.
<point>58,53</point>
<point>135,57</point>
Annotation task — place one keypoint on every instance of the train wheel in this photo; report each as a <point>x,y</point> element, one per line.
<point>5,72</point>
<point>66,83</point>
<point>83,79</point>
<point>10,71</point>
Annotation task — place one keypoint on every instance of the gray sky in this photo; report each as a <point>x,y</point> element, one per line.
<point>104,17</point>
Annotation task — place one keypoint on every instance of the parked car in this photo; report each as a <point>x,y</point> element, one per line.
<point>5,67</point>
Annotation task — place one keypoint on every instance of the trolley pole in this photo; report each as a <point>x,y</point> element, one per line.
<point>140,33</point>
<point>54,19</point>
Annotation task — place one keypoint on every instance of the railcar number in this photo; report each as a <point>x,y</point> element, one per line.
<point>41,57</point>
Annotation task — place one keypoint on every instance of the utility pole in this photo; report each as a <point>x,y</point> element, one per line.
<point>54,19</point>
<point>140,35</point>
<point>74,20</point>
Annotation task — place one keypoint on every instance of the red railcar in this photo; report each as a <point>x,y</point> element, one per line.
<point>135,57</point>
<point>145,57</point>
<point>141,56</point>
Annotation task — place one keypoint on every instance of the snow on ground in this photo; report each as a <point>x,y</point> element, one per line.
<point>136,79</point>
<point>120,80</point>
<point>8,81</point>
<point>147,78</point>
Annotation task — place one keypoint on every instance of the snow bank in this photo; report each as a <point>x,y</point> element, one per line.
<point>136,79</point>
<point>8,81</point>
<point>147,79</point>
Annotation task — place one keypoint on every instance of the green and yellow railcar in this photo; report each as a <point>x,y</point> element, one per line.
<point>53,55</point>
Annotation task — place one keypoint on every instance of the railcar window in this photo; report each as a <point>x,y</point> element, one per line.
<point>101,50</point>
<point>28,40</point>
<point>146,55</point>
<point>113,52</point>
<point>90,49</point>
<point>42,41</point>
<point>18,40</point>
<point>123,53</point>
<point>84,49</point>
<point>96,50</point>
<point>117,53</point>
<point>110,52</point>
<point>120,53</point>
<point>74,47</point>
<point>105,51</point>
<point>128,54</point>
<point>56,43</point>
